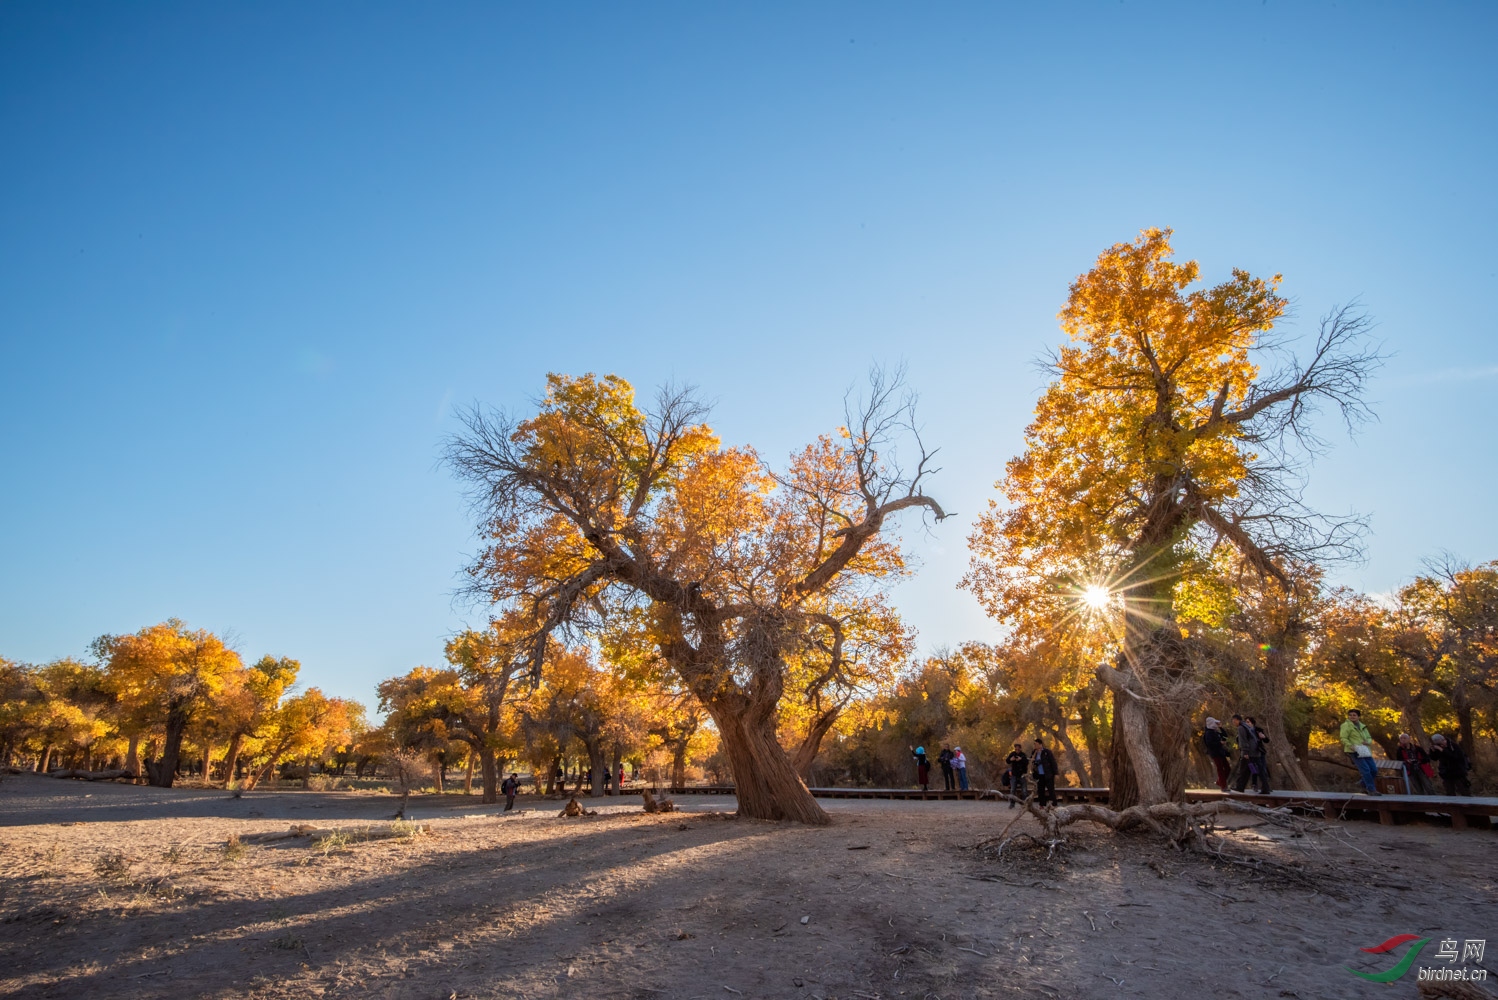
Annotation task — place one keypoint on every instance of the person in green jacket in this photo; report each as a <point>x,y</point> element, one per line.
<point>1357,743</point>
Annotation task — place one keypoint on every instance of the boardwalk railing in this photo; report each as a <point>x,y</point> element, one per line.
<point>1462,812</point>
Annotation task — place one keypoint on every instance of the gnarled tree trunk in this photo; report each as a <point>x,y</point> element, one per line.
<point>765,782</point>
<point>1151,732</point>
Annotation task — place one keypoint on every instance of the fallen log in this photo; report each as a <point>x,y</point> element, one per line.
<point>90,775</point>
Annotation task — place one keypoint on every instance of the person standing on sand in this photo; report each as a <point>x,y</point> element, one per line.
<point>1217,749</point>
<point>510,786</point>
<point>1044,763</point>
<point>944,759</point>
<point>959,765</point>
<point>1416,766</point>
<point>1019,764</point>
<point>1452,765</point>
<point>922,768</point>
<point>1357,743</point>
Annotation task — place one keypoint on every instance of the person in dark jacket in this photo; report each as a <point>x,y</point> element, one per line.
<point>922,767</point>
<point>1043,762</point>
<point>1217,749</point>
<point>945,760</point>
<point>1451,765</point>
<point>510,786</point>
<point>1261,762</point>
<point>1248,752</point>
<point>1019,764</point>
<point>1416,765</point>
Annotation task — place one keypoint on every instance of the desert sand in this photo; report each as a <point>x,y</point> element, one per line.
<point>110,890</point>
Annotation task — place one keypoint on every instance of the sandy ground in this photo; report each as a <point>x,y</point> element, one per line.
<point>116,891</point>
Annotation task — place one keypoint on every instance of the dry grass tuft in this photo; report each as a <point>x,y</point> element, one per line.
<point>112,865</point>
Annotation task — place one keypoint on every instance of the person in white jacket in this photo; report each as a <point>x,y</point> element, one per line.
<point>959,764</point>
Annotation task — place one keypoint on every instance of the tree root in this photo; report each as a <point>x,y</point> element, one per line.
<point>1181,825</point>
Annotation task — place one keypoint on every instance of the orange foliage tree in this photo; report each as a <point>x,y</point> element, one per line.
<point>595,506</point>
<point>1160,440</point>
<point>168,675</point>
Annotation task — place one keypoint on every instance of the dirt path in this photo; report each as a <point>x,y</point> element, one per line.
<point>114,891</point>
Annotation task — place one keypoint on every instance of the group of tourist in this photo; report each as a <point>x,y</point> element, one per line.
<point>1253,754</point>
<point>1421,766</point>
<point>1018,767</point>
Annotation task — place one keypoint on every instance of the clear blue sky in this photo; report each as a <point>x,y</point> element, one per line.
<point>251,255</point>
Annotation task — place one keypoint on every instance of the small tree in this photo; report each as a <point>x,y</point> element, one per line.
<point>488,664</point>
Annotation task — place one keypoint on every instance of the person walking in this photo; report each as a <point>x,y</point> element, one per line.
<point>1357,744</point>
<point>1451,764</point>
<point>1417,770</point>
<point>1217,749</point>
<point>1019,764</point>
<point>959,766</point>
<point>510,786</point>
<point>922,768</point>
<point>1248,752</point>
<point>1043,762</point>
<point>945,760</point>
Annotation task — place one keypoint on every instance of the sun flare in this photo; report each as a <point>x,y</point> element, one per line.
<point>1096,597</point>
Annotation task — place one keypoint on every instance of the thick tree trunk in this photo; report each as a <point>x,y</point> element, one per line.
<point>766,784</point>
<point>44,761</point>
<point>1138,778</point>
<point>489,774</point>
<point>207,760</point>
<point>437,772</point>
<point>468,776</point>
<point>596,763</point>
<point>1290,774</point>
<point>678,765</point>
<point>171,751</point>
<point>231,759</point>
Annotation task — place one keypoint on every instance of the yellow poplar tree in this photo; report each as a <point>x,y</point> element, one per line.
<point>1159,439</point>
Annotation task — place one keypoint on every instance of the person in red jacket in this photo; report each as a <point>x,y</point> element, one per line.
<point>1416,766</point>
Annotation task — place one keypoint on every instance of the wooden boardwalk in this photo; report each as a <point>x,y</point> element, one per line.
<point>1461,811</point>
